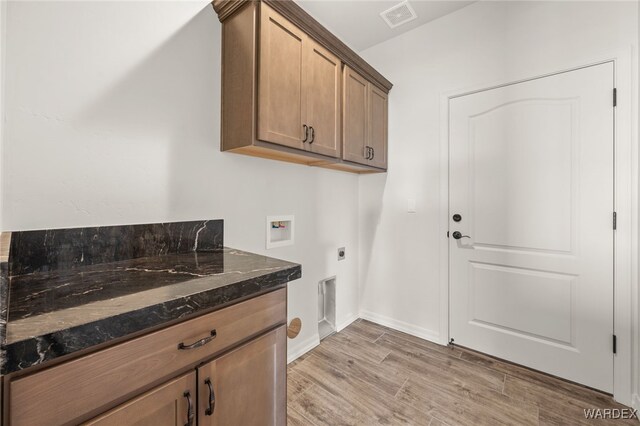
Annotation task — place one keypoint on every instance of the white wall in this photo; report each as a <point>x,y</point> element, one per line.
<point>113,118</point>
<point>636,397</point>
<point>3,38</point>
<point>3,7</point>
<point>483,44</point>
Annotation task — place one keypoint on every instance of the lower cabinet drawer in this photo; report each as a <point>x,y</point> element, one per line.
<point>82,388</point>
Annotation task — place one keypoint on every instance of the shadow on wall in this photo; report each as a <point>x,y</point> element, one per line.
<point>166,112</point>
<point>370,214</point>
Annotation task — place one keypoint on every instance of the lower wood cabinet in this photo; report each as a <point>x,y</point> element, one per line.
<point>232,361</point>
<point>246,386</point>
<point>171,404</point>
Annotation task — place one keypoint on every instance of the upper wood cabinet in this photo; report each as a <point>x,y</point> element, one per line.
<point>298,88</point>
<point>281,88</point>
<point>377,117</point>
<point>365,121</point>
<point>286,91</point>
<point>356,119</point>
<point>323,107</point>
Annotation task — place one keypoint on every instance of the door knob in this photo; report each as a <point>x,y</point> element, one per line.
<point>457,235</point>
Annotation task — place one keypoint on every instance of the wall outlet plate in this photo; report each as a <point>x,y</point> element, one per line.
<point>341,253</point>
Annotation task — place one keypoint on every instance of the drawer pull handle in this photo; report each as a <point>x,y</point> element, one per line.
<point>190,411</point>
<point>212,398</point>
<point>199,343</point>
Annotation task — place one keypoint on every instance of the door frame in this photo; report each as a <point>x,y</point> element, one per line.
<point>625,272</point>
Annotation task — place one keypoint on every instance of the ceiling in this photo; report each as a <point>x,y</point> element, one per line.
<point>358,22</point>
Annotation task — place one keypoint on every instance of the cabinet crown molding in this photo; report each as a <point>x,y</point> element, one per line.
<point>299,17</point>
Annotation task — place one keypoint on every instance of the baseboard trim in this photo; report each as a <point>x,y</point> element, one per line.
<point>303,348</point>
<point>405,327</point>
<point>344,324</point>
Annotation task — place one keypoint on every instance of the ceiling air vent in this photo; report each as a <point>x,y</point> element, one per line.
<point>399,14</point>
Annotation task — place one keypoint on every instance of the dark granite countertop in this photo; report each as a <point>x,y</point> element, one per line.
<point>56,311</point>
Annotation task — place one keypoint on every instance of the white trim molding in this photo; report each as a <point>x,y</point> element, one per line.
<point>626,206</point>
<point>405,327</point>
<point>347,322</point>
<point>635,401</point>
<point>302,348</point>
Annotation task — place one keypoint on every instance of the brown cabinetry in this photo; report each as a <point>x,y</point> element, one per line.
<point>365,121</point>
<point>377,118</point>
<point>171,404</point>
<point>355,117</point>
<point>280,86</point>
<point>137,377</point>
<point>247,386</point>
<point>284,91</point>
<point>322,97</point>
<point>298,88</point>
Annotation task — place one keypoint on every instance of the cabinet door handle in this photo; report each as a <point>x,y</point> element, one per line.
<point>373,153</point>
<point>190,411</point>
<point>212,398</point>
<point>313,135</point>
<point>366,152</point>
<point>200,342</point>
<point>306,132</point>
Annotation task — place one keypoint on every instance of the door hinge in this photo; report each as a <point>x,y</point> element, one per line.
<point>615,344</point>
<point>615,97</point>
<point>615,221</point>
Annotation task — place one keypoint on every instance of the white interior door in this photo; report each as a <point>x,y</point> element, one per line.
<point>531,175</point>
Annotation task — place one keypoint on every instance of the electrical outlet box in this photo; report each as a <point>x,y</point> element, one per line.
<point>341,253</point>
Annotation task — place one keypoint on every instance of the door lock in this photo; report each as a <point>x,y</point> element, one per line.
<point>457,217</point>
<point>457,235</point>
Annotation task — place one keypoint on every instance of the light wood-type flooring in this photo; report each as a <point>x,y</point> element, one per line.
<point>371,375</point>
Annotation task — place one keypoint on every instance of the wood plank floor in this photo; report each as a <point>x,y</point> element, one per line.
<point>369,375</point>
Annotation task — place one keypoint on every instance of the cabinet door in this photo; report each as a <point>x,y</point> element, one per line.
<point>378,101</point>
<point>246,386</point>
<point>355,117</point>
<point>280,85</point>
<point>171,404</point>
<point>322,73</point>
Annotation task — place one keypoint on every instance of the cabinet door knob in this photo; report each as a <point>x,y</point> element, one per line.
<point>306,132</point>
<point>190,411</point>
<point>313,135</point>
<point>212,398</point>
<point>200,342</point>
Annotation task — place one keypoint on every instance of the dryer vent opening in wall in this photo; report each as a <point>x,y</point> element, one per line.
<point>326,307</point>
<point>399,14</point>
